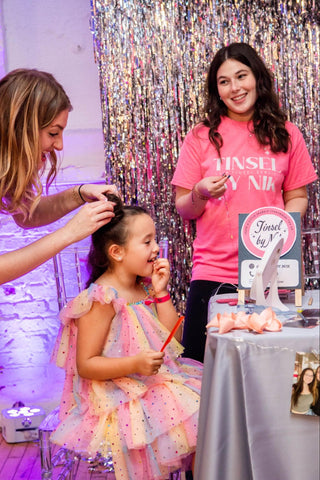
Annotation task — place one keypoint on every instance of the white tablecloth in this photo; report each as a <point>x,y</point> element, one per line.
<point>246,430</point>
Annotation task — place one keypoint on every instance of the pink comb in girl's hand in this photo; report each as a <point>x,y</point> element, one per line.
<point>173,331</point>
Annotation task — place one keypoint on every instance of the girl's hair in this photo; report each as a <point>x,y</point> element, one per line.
<point>315,387</point>
<point>268,118</point>
<point>297,388</point>
<point>29,101</point>
<point>117,232</point>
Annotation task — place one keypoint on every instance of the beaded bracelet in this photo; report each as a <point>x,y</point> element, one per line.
<point>194,191</point>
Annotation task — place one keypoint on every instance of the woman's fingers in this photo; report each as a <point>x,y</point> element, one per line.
<point>89,218</point>
<point>92,192</point>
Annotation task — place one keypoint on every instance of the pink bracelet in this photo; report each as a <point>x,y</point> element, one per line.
<point>163,299</point>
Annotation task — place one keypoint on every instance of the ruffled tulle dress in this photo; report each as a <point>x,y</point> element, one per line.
<point>148,423</point>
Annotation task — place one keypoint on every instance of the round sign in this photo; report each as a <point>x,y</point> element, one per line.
<point>263,225</point>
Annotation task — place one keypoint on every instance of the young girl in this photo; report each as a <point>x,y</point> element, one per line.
<point>122,394</point>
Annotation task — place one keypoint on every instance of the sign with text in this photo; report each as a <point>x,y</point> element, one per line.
<point>256,231</point>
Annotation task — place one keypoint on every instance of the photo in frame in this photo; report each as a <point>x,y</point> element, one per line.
<point>305,394</point>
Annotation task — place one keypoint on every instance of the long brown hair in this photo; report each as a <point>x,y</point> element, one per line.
<point>297,388</point>
<point>315,387</point>
<point>268,118</point>
<point>29,101</point>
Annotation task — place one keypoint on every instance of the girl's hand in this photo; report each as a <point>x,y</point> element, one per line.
<point>149,362</point>
<point>213,187</point>
<point>160,276</point>
<point>88,219</point>
<point>91,192</point>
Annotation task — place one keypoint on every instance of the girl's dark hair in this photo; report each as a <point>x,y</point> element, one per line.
<point>116,231</point>
<point>268,118</point>
<point>297,388</point>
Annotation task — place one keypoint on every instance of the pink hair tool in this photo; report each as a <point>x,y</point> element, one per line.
<point>173,331</point>
<point>230,301</point>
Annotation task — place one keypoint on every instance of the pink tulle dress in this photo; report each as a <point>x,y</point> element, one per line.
<point>147,423</point>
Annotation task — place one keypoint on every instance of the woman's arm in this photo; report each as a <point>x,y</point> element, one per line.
<point>89,218</point>
<point>296,200</point>
<point>93,329</point>
<point>54,207</point>
<point>188,204</point>
<point>191,203</point>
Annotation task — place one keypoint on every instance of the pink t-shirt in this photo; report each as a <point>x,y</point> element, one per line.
<point>257,178</point>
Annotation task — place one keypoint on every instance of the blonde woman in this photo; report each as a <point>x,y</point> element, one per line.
<point>34,111</point>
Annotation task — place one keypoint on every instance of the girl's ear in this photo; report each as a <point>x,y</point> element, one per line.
<point>116,252</point>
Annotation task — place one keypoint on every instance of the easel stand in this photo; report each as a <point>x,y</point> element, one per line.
<point>242,294</point>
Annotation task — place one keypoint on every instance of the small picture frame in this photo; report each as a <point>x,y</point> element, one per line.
<point>305,394</point>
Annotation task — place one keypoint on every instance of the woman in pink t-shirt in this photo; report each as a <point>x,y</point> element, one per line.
<point>243,155</point>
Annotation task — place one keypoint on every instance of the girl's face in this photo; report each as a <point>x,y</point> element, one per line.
<point>51,137</point>
<point>308,376</point>
<point>141,249</point>
<point>237,89</point>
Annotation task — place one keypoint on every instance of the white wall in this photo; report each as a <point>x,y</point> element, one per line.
<point>55,36</point>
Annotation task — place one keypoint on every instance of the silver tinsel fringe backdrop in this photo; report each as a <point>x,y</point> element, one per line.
<point>153,57</point>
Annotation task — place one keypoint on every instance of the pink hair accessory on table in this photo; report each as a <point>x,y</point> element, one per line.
<point>230,301</point>
<point>256,322</point>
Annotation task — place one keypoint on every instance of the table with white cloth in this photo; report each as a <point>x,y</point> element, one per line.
<point>246,430</point>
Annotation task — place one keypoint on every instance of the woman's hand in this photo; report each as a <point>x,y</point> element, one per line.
<point>53,207</point>
<point>160,276</point>
<point>90,192</point>
<point>88,219</point>
<point>213,187</point>
<point>149,362</point>
<point>192,203</point>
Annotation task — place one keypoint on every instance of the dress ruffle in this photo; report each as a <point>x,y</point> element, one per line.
<point>148,423</point>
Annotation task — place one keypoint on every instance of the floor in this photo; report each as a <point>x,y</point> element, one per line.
<point>21,461</point>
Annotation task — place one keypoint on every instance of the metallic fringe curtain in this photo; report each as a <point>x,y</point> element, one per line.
<point>153,57</point>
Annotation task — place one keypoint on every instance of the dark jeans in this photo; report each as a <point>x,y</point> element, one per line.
<point>196,317</point>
